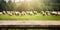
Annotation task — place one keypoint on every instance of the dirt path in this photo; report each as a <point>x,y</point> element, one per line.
<point>30,22</point>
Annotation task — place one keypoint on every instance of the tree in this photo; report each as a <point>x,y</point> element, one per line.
<point>2,5</point>
<point>10,5</point>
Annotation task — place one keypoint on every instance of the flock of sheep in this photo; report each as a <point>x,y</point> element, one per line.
<point>56,13</point>
<point>10,13</point>
<point>44,13</point>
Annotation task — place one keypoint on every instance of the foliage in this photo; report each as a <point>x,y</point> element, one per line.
<point>33,5</point>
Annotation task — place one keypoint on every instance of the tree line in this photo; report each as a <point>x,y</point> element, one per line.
<point>35,5</point>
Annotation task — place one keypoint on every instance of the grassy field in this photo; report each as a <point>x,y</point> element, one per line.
<point>29,17</point>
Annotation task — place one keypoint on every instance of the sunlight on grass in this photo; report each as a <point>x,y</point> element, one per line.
<point>29,17</point>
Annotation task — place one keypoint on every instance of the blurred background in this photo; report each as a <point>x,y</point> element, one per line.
<point>29,5</point>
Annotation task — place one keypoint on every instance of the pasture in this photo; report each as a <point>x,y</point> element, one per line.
<point>29,17</point>
<point>30,29</point>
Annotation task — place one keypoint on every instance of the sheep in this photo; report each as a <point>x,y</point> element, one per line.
<point>17,13</point>
<point>4,12</point>
<point>53,13</point>
<point>58,13</point>
<point>35,12</point>
<point>13,12</point>
<point>9,13</point>
<point>29,12</point>
<point>23,13</point>
<point>42,12</point>
<point>1,13</point>
<point>47,12</point>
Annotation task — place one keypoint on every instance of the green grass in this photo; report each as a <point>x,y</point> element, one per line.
<point>30,29</point>
<point>29,17</point>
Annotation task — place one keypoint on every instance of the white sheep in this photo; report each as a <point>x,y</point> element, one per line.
<point>1,13</point>
<point>17,13</point>
<point>35,12</point>
<point>9,13</point>
<point>23,13</point>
